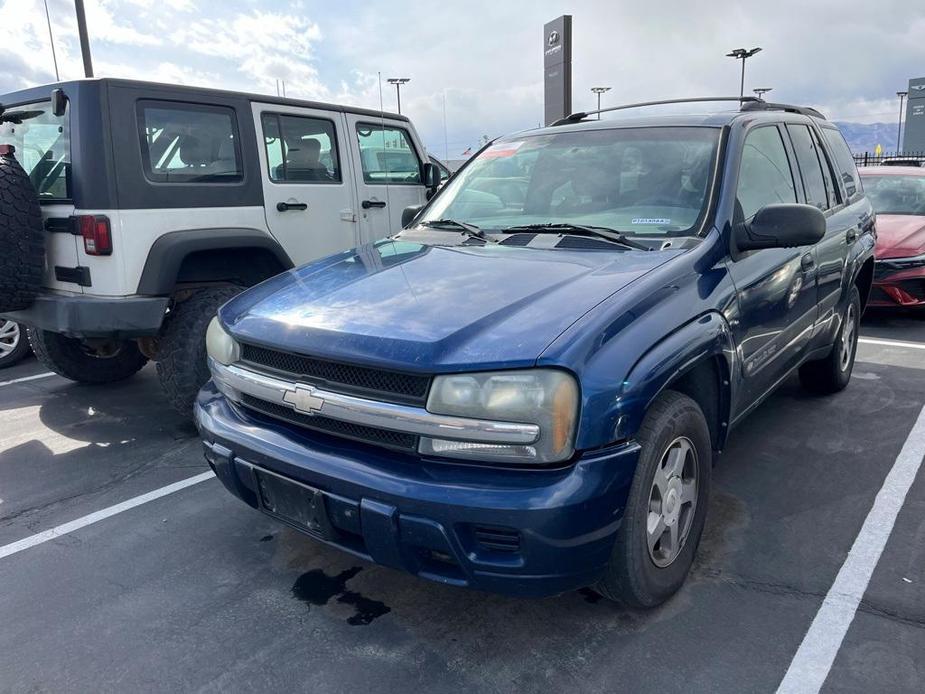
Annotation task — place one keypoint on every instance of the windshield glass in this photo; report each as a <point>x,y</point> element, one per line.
<point>651,181</point>
<point>43,147</point>
<point>896,194</point>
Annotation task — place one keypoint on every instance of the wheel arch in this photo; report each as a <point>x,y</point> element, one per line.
<point>199,256</point>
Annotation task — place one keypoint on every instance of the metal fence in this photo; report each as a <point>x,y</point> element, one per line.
<point>873,159</point>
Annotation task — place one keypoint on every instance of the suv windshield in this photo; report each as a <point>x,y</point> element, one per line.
<point>651,181</point>
<point>896,194</point>
<point>43,147</point>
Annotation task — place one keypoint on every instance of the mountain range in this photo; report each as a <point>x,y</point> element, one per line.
<point>864,137</point>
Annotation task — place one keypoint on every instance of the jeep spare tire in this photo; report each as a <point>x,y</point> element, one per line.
<point>22,237</point>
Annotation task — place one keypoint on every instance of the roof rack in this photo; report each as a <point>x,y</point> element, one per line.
<point>746,103</point>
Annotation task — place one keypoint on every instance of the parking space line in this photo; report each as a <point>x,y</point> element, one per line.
<point>813,660</point>
<point>97,516</point>
<point>27,378</point>
<point>891,343</point>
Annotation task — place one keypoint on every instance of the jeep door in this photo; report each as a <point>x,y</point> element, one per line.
<point>775,287</point>
<point>387,158</point>
<point>307,180</point>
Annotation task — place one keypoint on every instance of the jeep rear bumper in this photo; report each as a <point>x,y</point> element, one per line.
<point>83,316</point>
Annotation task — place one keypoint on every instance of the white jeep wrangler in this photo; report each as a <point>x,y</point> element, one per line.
<point>130,211</point>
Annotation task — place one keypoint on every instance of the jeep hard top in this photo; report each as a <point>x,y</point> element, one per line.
<point>525,388</point>
<point>129,211</point>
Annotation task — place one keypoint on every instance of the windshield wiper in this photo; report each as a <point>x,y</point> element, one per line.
<point>469,229</point>
<point>600,232</point>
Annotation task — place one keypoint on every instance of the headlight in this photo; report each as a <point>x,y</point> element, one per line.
<point>546,397</point>
<point>220,345</point>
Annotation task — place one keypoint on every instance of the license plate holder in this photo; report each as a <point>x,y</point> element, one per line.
<point>294,503</point>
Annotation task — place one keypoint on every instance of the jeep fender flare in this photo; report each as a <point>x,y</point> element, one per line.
<point>707,337</point>
<point>166,256</point>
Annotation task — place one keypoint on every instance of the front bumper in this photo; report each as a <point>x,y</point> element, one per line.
<point>86,316</point>
<point>897,285</point>
<point>519,532</point>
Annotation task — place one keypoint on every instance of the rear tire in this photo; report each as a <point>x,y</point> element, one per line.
<point>181,346</point>
<point>666,508</point>
<point>14,345</point>
<point>22,238</point>
<point>79,361</point>
<point>833,373</point>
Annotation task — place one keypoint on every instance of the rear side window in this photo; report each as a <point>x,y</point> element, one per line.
<point>844,162</point>
<point>387,155</point>
<point>810,166</point>
<point>42,142</point>
<point>300,150</point>
<point>189,143</point>
<point>764,175</point>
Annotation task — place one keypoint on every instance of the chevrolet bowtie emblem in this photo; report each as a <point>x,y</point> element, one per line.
<point>304,400</point>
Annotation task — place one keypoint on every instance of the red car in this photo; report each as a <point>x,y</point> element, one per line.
<point>898,196</point>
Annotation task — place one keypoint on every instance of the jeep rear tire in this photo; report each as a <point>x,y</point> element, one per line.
<point>22,237</point>
<point>181,346</point>
<point>91,362</point>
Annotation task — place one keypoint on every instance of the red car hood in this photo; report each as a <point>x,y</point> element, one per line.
<point>900,235</point>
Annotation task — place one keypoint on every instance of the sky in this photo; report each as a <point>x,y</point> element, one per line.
<point>484,58</point>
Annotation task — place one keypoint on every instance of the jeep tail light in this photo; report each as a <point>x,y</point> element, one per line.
<point>96,234</point>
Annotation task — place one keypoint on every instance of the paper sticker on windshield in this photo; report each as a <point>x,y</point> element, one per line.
<point>502,149</point>
<point>651,220</point>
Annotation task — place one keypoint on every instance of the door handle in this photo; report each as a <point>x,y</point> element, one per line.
<point>851,235</point>
<point>807,262</point>
<point>366,204</point>
<point>284,206</point>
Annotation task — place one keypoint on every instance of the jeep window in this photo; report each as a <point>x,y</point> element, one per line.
<point>764,174</point>
<point>896,194</point>
<point>652,181</point>
<point>387,155</point>
<point>189,143</point>
<point>810,165</point>
<point>43,147</point>
<point>844,162</point>
<point>300,150</point>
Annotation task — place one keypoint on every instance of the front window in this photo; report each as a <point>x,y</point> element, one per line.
<point>647,181</point>
<point>43,147</point>
<point>896,194</point>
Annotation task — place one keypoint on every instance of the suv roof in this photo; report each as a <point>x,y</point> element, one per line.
<point>42,92</point>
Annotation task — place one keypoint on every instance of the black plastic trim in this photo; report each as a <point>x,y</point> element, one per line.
<point>77,275</point>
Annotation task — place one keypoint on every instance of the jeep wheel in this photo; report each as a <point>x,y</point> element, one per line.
<point>14,346</point>
<point>831,374</point>
<point>86,361</point>
<point>22,237</point>
<point>666,507</point>
<point>181,346</point>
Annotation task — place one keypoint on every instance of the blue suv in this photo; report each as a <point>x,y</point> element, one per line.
<point>524,389</point>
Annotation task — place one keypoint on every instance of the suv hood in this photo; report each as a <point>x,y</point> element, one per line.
<point>429,308</point>
<point>900,235</point>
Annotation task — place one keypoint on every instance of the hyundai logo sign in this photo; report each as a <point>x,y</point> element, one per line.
<point>553,38</point>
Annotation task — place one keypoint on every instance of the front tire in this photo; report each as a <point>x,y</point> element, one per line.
<point>666,508</point>
<point>832,374</point>
<point>181,348</point>
<point>86,362</point>
<point>14,345</point>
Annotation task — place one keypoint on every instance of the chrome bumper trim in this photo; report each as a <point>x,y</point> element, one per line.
<point>234,380</point>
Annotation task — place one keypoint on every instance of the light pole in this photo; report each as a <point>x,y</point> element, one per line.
<point>899,129</point>
<point>761,91</point>
<point>742,54</point>
<point>398,82</point>
<point>599,91</point>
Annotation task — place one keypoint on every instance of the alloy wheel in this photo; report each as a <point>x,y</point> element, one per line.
<point>672,502</point>
<point>848,337</point>
<point>10,335</point>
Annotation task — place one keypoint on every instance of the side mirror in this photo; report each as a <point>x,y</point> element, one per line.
<point>784,225</point>
<point>409,213</point>
<point>58,102</point>
<point>431,178</point>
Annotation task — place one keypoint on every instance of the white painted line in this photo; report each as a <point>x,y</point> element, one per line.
<point>891,343</point>
<point>813,660</point>
<point>27,378</point>
<point>97,516</point>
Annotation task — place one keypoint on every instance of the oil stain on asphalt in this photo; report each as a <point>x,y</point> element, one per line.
<point>315,587</point>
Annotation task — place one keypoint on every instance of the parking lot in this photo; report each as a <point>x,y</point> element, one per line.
<point>194,591</point>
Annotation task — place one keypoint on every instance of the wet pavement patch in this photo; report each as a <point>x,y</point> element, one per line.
<point>315,587</point>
